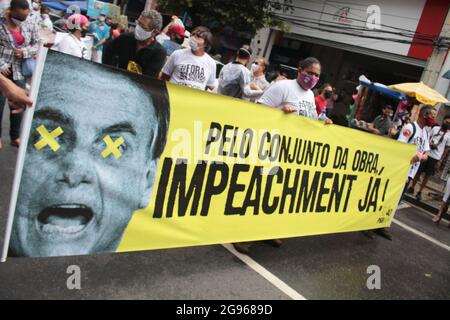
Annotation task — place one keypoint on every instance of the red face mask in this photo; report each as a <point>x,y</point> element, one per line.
<point>431,122</point>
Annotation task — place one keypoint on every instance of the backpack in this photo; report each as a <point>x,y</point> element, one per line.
<point>414,133</point>
<point>397,135</point>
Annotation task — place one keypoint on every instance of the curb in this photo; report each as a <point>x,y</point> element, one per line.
<point>424,206</point>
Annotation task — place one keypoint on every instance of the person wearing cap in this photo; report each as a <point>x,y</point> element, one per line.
<point>192,67</point>
<point>173,40</point>
<point>138,51</point>
<point>235,78</point>
<point>100,30</point>
<point>72,43</point>
<point>172,36</point>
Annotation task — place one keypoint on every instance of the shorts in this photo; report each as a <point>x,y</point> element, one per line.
<point>428,167</point>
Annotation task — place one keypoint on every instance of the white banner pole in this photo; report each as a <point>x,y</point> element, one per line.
<point>24,135</point>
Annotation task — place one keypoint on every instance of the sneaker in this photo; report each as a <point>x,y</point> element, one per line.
<point>384,233</point>
<point>239,247</point>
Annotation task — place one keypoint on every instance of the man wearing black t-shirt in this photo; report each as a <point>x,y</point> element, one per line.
<point>138,52</point>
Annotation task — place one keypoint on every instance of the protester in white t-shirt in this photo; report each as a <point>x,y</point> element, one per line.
<point>258,80</point>
<point>72,43</point>
<point>192,67</point>
<point>439,143</point>
<point>415,133</point>
<point>296,96</point>
<point>440,140</point>
<point>293,96</point>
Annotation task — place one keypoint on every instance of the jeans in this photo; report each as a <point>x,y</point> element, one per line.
<point>15,119</point>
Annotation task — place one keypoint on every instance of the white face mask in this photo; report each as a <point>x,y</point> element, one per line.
<point>36,6</point>
<point>101,19</point>
<point>255,68</point>
<point>141,35</point>
<point>193,44</point>
<point>17,22</point>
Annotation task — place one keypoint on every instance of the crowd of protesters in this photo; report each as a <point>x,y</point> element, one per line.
<point>171,53</point>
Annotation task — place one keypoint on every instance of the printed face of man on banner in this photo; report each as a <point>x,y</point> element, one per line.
<point>91,160</point>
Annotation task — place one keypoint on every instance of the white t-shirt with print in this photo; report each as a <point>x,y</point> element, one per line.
<point>435,137</point>
<point>289,91</point>
<point>189,70</point>
<point>420,139</point>
<point>71,45</point>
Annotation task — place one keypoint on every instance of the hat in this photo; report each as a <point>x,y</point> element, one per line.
<point>76,22</point>
<point>179,30</point>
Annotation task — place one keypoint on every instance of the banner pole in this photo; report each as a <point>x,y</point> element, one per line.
<point>24,135</point>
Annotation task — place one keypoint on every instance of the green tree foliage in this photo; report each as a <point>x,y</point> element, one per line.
<point>244,15</point>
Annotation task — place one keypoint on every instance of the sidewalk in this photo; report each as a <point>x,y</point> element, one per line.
<point>431,196</point>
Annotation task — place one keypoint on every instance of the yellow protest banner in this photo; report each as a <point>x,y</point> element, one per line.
<point>151,165</point>
<point>236,171</point>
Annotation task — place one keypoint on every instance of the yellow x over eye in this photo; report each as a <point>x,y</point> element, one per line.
<point>112,147</point>
<point>48,138</point>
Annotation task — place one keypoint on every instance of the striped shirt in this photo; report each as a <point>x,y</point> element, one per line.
<point>7,45</point>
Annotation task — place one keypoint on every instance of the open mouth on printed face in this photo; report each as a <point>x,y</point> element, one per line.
<point>65,219</point>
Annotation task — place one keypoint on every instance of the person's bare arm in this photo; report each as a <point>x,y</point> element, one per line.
<point>100,43</point>
<point>328,121</point>
<point>14,94</point>
<point>166,29</point>
<point>289,108</point>
<point>250,92</point>
<point>164,77</point>
<point>371,128</point>
<point>419,157</point>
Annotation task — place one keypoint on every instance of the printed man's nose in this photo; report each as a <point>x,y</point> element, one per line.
<point>76,169</point>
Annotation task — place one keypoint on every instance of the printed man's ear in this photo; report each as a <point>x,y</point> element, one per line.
<point>148,183</point>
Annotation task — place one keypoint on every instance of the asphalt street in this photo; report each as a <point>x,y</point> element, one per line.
<point>415,265</point>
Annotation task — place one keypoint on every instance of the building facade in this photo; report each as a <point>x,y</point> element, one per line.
<point>390,42</point>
